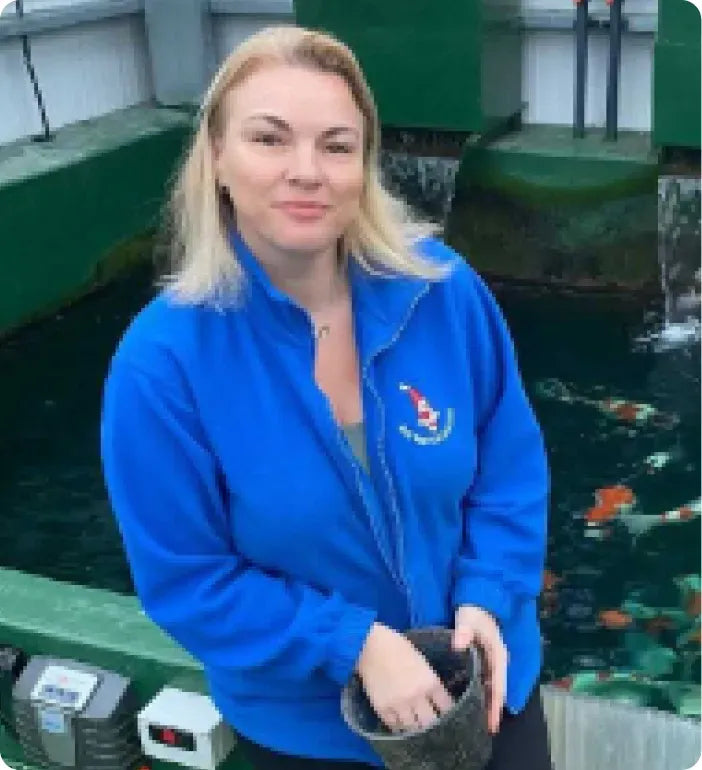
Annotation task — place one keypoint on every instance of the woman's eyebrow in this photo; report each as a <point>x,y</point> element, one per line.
<point>281,124</point>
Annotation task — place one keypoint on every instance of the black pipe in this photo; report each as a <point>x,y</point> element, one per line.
<point>615,55</point>
<point>27,53</point>
<point>581,24</point>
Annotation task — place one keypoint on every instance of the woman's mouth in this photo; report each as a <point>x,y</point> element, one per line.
<point>304,211</point>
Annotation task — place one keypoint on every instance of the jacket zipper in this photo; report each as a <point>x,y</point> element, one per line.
<point>398,576</point>
<point>399,534</point>
<point>348,453</point>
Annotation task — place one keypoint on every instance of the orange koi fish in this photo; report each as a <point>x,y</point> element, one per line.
<point>615,619</point>
<point>609,502</point>
<point>616,503</point>
<point>656,625</point>
<point>693,606</point>
<point>549,580</point>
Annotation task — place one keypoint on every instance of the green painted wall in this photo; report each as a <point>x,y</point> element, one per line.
<point>70,210</point>
<point>676,110</point>
<point>454,65</point>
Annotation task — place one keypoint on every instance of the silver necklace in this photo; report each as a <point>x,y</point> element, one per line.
<point>322,331</point>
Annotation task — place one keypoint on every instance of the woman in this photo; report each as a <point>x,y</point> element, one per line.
<point>316,436</point>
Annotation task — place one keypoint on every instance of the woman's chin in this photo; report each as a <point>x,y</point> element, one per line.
<point>306,238</point>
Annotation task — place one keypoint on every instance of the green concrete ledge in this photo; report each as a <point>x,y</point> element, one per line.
<point>97,627</point>
<point>71,208</point>
<point>545,163</point>
<point>540,206</point>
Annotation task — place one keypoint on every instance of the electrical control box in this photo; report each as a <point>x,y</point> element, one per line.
<point>186,728</point>
<point>69,714</point>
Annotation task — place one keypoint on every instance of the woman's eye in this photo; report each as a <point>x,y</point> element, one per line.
<point>267,139</point>
<point>347,148</point>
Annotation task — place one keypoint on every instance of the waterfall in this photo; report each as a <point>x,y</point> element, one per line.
<point>427,183</point>
<point>679,259</point>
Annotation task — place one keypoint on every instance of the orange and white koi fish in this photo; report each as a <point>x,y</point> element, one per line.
<point>610,502</point>
<point>617,408</point>
<point>616,506</point>
<point>640,523</point>
<point>655,619</point>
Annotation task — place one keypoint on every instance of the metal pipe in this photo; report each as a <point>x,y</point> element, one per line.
<point>615,54</point>
<point>27,55</point>
<point>581,24</point>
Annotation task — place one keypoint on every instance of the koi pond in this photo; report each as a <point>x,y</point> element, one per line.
<point>621,601</point>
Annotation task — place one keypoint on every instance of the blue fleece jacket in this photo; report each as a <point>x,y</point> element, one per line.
<point>259,543</point>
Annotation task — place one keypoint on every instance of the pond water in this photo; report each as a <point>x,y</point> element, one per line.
<point>621,603</point>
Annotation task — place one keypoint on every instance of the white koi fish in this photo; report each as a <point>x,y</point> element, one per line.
<point>617,408</point>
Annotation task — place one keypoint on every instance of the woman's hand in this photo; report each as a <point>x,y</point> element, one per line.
<point>473,624</point>
<point>403,688</point>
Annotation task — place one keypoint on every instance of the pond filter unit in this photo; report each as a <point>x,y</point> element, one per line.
<point>71,715</point>
<point>185,728</point>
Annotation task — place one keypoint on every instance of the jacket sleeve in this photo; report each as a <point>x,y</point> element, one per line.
<point>165,490</point>
<point>505,509</point>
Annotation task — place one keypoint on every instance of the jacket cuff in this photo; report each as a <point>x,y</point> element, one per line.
<point>486,593</point>
<point>348,642</point>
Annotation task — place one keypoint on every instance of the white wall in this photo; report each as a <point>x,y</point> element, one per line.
<point>549,67</point>
<point>596,6</point>
<point>549,79</point>
<point>39,5</point>
<point>230,31</point>
<point>90,69</point>
<point>83,71</point>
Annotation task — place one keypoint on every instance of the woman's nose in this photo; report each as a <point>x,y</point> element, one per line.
<point>304,164</point>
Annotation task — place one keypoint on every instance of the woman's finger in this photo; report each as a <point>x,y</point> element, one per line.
<point>462,638</point>
<point>391,719</point>
<point>441,699</point>
<point>496,663</point>
<point>407,718</point>
<point>424,714</point>
<point>498,687</point>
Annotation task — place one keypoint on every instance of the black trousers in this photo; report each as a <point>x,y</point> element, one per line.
<point>520,744</point>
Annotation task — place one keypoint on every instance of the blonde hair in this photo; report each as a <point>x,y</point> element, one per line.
<point>201,259</point>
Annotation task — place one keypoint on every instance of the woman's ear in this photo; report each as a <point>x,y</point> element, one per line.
<point>215,152</point>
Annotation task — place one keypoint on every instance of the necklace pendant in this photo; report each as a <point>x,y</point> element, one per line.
<point>322,331</point>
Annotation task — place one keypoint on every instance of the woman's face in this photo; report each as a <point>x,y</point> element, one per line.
<point>292,157</point>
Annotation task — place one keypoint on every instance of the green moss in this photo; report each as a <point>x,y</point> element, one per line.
<point>610,244</point>
<point>123,257</point>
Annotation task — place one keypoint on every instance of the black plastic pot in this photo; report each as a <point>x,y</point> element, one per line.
<point>459,740</point>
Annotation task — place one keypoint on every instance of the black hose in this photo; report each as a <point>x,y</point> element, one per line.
<point>615,53</point>
<point>581,25</point>
<point>27,54</point>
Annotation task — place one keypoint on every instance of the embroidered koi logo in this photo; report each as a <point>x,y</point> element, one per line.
<point>428,418</point>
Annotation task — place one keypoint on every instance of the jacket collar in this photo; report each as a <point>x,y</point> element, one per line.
<point>381,305</point>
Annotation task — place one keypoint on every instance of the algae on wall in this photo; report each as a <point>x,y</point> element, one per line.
<point>611,244</point>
